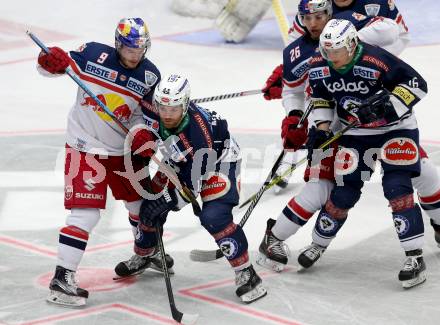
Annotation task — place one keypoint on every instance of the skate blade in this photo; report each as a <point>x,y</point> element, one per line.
<point>120,278</point>
<point>267,263</point>
<point>258,292</point>
<point>413,282</point>
<point>59,298</point>
<point>159,269</point>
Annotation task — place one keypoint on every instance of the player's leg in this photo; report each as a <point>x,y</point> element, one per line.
<point>273,251</point>
<point>216,217</point>
<point>398,190</point>
<point>330,220</point>
<point>428,190</point>
<point>85,193</point>
<point>146,253</point>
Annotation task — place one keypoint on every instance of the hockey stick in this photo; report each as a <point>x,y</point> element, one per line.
<point>263,188</point>
<point>210,255</point>
<point>226,96</point>
<point>186,192</point>
<point>177,315</point>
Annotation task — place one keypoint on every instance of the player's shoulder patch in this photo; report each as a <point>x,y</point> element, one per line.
<point>372,9</point>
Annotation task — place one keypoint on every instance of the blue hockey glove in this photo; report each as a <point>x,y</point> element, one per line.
<point>315,139</point>
<point>374,108</point>
<point>155,212</point>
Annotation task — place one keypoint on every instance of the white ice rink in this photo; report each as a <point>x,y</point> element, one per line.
<point>356,281</point>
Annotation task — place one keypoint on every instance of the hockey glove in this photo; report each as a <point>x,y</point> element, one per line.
<point>143,143</point>
<point>374,108</point>
<point>315,140</point>
<point>155,212</point>
<point>274,84</point>
<point>293,137</point>
<point>55,62</point>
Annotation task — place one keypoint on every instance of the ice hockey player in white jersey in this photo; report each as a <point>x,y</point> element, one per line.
<point>121,77</point>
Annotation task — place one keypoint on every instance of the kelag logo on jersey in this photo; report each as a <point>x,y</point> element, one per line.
<point>100,71</point>
<point>319,73</point>
<point>366,73</point>
<point>137,86</point>
<point>350,87</point>
<point>298,70</point>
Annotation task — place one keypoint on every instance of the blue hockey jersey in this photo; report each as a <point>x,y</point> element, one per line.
<point>371,70</point>
<point>296,65</point>
<point>197,147</point>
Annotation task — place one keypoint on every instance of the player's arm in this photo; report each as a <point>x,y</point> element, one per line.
<point>295,72</point>
<point>297,30</point>
<point>406,85</point>
<point>383,32</point>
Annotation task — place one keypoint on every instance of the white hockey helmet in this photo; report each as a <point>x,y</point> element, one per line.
<point>337,34</point>
<point>173,90</point>
<point>306,7</point>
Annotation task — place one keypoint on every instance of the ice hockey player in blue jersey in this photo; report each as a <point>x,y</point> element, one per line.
<point>369,86</point>
<point>369,8</point>
<point>121,77</point>
<point>379,31</point>
<point>197,145</point>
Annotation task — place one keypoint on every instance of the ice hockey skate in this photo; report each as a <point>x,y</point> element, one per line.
<point>273,252</point>
<point>414,269</point>
<point>64,289</point>
<point>250,287</point>
<point>436,232</point>
<point>310,255</point>
<point>138,264</point>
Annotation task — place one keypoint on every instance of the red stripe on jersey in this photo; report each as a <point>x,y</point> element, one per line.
<point>230,229</point>
<point>104,84</point>
<point>299,210</point>
<point>422,153</point>
<point>298,28</point>
<point>75,232</point>
<point>133,217</point>
<point>431,199</point>
<point>296,83</point>
<point>399,18</point>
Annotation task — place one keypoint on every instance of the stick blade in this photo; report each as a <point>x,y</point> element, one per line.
<point>199,255</point>
<point>189,319</point>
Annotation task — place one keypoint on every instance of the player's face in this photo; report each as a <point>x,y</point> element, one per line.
<point>343,3</point>
<point>130,57</point>
<point>339,57</point>
<point>170,115</point>
<point>315,23</point>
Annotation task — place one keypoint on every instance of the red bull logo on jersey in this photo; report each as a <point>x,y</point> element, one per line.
<point>366,73</point>
<point>100,71</point>
<point>115,103</point>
